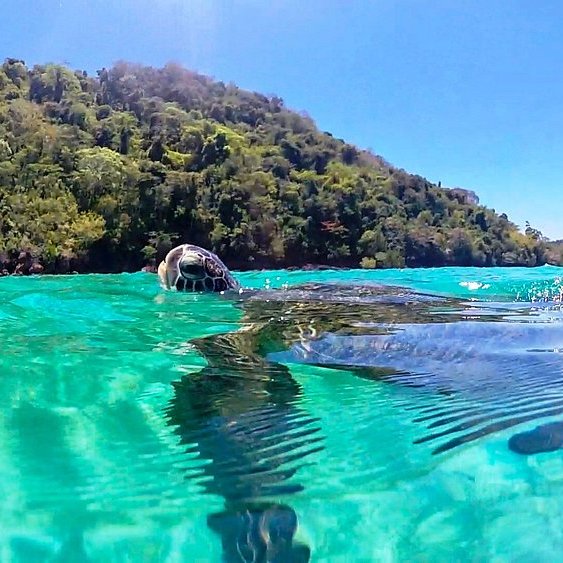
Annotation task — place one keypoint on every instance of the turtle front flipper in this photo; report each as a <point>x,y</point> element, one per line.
<point>260,532</point>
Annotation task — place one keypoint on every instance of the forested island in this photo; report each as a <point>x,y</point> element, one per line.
<point>107,173</point>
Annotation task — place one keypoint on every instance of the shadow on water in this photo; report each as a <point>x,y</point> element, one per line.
<point>239,415</point>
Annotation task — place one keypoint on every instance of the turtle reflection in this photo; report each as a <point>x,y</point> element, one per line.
<point>240,415</point>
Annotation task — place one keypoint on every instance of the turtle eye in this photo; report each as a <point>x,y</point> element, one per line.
<point>191,270</point>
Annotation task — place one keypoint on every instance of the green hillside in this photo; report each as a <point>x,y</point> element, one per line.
<point>106,173</point>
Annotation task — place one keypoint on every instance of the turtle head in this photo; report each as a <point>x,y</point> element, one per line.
<point>191,268</point>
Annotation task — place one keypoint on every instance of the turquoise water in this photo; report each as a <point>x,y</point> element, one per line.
<point>132,431</point>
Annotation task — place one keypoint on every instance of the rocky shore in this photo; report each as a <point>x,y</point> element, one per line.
<point>23,265</point>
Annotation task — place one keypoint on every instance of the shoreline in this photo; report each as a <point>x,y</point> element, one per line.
<point>305,268</point>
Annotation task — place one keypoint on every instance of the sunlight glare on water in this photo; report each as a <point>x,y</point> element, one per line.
<point>354,425</point>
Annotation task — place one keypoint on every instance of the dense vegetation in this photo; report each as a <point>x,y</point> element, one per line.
<point>107,173</point>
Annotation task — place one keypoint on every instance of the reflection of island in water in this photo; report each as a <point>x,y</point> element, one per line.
<point>239,413</point>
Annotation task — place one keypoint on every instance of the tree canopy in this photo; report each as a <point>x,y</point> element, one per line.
<point>106,173</point>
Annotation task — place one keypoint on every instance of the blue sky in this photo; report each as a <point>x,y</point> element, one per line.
<point>466,92</point>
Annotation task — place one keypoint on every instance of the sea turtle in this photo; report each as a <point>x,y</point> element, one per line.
<point>391,334</point>
<point>241,413</point>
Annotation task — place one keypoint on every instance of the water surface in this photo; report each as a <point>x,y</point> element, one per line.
<point>356,424</point>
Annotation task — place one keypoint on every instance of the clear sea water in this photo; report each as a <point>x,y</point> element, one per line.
<point>356,426</point>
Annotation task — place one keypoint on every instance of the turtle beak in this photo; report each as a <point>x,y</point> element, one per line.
<point>191,267</point>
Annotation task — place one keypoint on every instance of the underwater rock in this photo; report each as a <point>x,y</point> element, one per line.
<point>544,438</point>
